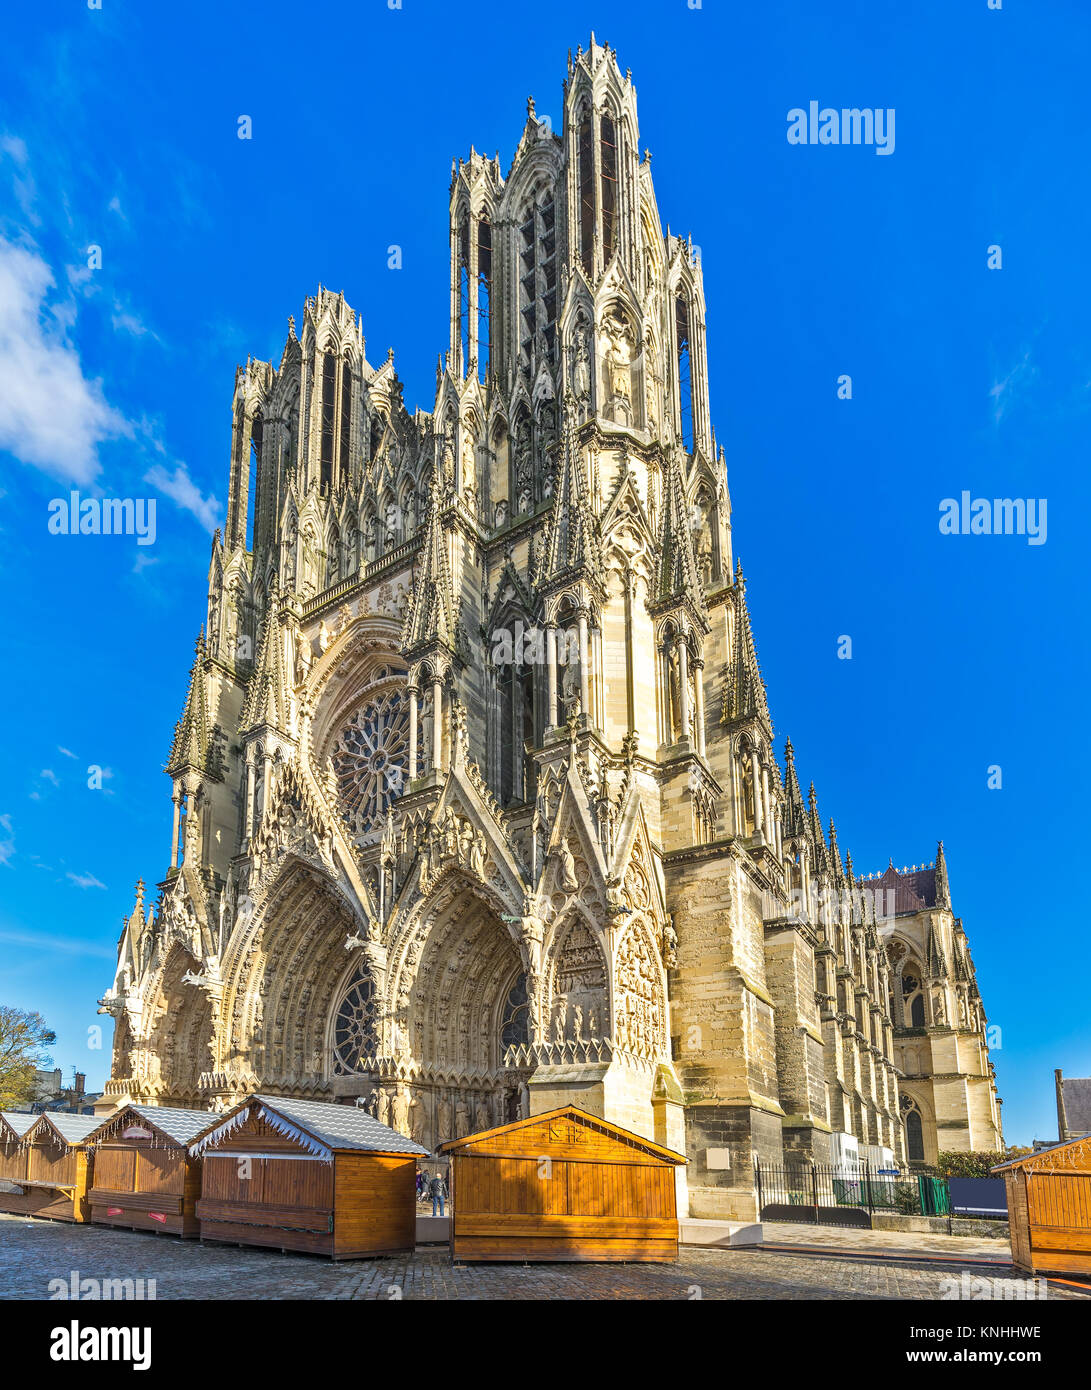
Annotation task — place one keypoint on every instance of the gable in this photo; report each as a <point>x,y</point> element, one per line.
<point>569,1135</point>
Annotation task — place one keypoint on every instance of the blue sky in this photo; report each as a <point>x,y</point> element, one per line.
<point>118,129</point>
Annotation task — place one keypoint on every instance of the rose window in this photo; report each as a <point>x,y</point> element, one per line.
<point>371,761</point>
<point>354,1028</point>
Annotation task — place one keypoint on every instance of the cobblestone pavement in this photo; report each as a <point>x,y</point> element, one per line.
<point>34,1252</point>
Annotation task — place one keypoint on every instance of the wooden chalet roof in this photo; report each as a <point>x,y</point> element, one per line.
<point>17,1122</point>
<point>576,1116</point>
<point>70,1129</point>
<point>319,1126</point>
<point>181,1126</point>
<point>1072,1155</point>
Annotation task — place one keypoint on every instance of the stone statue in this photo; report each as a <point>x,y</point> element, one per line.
<point>481,1115</point>
<point>581,375</point>
<point>443,1119</point>
<point>462,1118</point>
<point>567,861</point>
<point>399,1111</point>
<point>670,943</point>
<point>418,1120</point>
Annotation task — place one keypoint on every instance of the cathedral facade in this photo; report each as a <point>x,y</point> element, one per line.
<point>476,808</point>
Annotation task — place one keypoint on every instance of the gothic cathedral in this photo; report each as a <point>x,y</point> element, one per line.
<point>476,808</point>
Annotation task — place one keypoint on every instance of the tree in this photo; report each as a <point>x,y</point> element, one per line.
<point>24,1039</point>
<point>975,1164</point>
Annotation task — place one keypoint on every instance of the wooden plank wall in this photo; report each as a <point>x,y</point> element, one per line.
<point>1059,1221</point>
<point>375,1205</point>
<point>563,1209</point>
<point>44,1163</point>
<point>155,1188</point>
<point>258,1188</point>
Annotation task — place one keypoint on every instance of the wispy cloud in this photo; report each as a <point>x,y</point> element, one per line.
<point>55,943</point>
<point>66,751</point>
<point>181,488</point>
<point>84,880</point>
<point>49,775</point>
<point>52,415</point>
<point>7,843</point>
<point>1012,387</point>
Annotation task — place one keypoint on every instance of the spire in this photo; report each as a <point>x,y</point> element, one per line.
<point>432,615</point>
<point>267,692</point>
<point>943,887</point>
<point>678,577</point>
<point>571,536</point>
<point>746,687</point>
<point>190,746</point>
<point>795,821</point>
<point>835,855</point>
<point>822,859</point>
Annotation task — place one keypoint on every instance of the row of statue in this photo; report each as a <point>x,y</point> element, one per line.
<point>431,1116</point>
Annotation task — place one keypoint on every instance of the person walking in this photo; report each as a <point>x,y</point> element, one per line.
<point>437,1190</point>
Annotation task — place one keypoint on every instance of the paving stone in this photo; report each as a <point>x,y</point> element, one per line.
<point>34,1252</point>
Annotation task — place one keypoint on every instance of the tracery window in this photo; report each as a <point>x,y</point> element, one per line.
<point>515,1016</point>
<point>914,1135</point>
<point>329,386</point>
<point>608,156</point>
<point>484,290</point>
<point>354,1030</point>
<point>371,760</point>
<point>683,330</point>
<point>912,999</point>
<point>346,416</point>
<point>587,194</point>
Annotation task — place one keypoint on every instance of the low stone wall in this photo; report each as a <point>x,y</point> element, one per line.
<point>937,1225</point>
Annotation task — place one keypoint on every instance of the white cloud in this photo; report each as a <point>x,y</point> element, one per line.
<point>85,880</point>
<point>22,181</point>
<point>51,415</point>
<point>181,487</point>
<point>66,751</point>
<point>50,776</point>
<point>55,943</point>
<point>7,846</point>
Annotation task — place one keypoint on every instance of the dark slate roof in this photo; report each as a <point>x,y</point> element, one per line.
<point>183,1126</point>
<point>73,1129</point>
<point>1077,1103</point>
<point>19,1120</point>
<point>341,1126</point>
<point>912,891</point>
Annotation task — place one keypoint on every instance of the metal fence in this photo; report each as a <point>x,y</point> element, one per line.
<point>828,1195</point>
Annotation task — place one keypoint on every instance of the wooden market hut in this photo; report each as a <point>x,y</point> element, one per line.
<point>563,1185</point>
<point>13,1159</point>
<point>51,1166</point>
<point>307,1175</point>
<point>145,1178</point>
<point>1049,1208</point>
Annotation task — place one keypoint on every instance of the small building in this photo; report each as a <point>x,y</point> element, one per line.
<point>563,1185</point>
<point>1073,1106</point>
<point>307,1175</point>
<point>50,1166</point>
<point>13,1160</point>
<point>144,1176</point>
<point>1049,1208</point>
